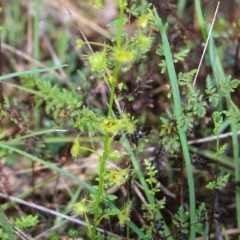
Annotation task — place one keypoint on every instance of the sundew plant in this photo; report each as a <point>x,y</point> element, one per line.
<point>140,100</point>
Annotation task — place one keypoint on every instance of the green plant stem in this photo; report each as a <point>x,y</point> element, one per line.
<point>116,68</point>
<point>215,190</point>
<point>103,161</point>
<point>104,157</point>
<point>122,6</point>
<point>104,45</point>
<point>90,150</point>
<point>113,85</point>
<point>178,112</point>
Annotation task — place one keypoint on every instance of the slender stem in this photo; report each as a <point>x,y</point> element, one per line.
<point>120,24</point>
<point>103,161</point>
<point>90,150</point>
<point>116,69</point>
<point>113,84</point>
<point>107,139</point>
<point>215,190</point>
<point>104,45</point>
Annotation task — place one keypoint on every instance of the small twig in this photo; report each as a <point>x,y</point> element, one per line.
<point>28,58</point>
<point>40,236</point>
<point>136,186</point>
<point>75,21</point>
<point>227,231</point>
<point>206,44</point>
<point>212,138</point>
<point>54,56</point>
<point>79,18</point>
<point>202,140</point>
<point>21,234</point>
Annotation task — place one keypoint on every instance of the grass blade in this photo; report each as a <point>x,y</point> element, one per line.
<point>50,165</point>
<point>11,75</point>
<point>7,227</point>
<point>178,112</point>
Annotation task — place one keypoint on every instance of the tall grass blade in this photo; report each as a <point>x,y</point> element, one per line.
<point>178,112</point>
<point>11,75</point>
